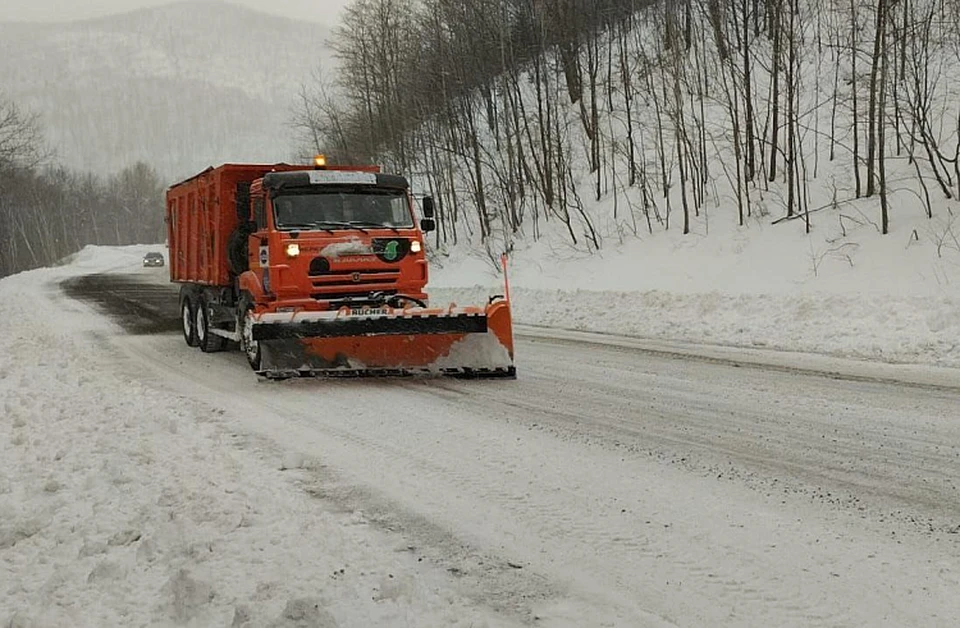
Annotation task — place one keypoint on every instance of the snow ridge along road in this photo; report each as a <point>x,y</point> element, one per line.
<point>607,486</point>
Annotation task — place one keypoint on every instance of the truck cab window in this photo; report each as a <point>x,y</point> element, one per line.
<point>260,212</point>
<point>340,208</point>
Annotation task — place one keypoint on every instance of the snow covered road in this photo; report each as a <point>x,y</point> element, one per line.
<point>610,485</point>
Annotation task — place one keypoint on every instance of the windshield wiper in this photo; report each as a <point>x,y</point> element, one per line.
<point>344,225</point>
<point>377,225</point>
<point>330,225</point>
<point>304,226</point>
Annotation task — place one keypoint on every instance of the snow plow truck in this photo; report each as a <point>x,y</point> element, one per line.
<point>321,271</point>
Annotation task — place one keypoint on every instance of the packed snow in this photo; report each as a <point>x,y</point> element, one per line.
<point>121,504</point>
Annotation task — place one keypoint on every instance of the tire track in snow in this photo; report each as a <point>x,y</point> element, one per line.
<point>553,515</point>
<point>492,581</point>
<point>840,448</point>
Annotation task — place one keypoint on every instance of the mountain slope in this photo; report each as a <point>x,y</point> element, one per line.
<point>180,86</point>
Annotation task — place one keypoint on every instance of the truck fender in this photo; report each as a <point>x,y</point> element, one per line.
<point>249,282</point>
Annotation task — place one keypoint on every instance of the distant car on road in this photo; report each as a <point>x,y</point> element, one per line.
<point>153,259</point>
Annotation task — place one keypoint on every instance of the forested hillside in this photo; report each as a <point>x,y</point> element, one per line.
<point>594,121</point>
<point>179,86</point>
<point>98,117</point>
<point>48,212</point>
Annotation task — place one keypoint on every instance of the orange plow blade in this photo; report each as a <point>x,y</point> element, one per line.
<point>466,342</point>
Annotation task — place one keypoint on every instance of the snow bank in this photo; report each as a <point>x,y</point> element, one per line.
<point>914,330</point>
<point>892,298</point>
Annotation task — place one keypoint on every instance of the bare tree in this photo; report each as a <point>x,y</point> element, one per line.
<point>21,142</point>
<point>48,213</point>
<point>505,110</point>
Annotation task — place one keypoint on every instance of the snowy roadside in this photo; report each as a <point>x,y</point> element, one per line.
<point>911,326</point>
<point>121,504</point>
<point>864,296</point>
<point>917,330</point>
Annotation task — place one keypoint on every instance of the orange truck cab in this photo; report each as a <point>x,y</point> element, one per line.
<point>320,270</point>
<point>322,239</point>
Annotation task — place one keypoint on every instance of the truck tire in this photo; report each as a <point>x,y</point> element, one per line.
<point>208,341</point>
<point>188,321</point>
<point>249,346</point>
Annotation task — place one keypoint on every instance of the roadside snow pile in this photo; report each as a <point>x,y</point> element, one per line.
<point>914,330</point>
<point>125,505</point>
<point>890,298</point>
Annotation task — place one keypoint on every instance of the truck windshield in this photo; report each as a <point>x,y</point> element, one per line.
<point>328,207</point>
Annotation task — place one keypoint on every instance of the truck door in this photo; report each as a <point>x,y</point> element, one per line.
<point>259,245</point>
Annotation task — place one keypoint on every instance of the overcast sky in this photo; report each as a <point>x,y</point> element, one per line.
<point>324,11</point>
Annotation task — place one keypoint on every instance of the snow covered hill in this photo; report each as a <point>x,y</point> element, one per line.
<point>843,290</point>
<point>668,145</point>
<point>838,287</point>
<point>180,86</point>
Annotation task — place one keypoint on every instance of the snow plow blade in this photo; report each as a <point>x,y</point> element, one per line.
<point>464,342</point>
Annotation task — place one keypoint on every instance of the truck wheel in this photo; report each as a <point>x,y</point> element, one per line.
<point>209,342</point>
<point>249,346</point>
<point>188,322</point>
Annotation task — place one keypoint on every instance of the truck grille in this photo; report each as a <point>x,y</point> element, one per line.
<point>339,285</point>
<point>381,279</point>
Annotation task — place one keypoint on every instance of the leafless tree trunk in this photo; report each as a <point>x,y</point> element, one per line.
<point>881,127</point>
<point>749,122</point>
<point>853,87</point>
<point>791,152</point>
<point>872,121</point>
<point>777,34</point>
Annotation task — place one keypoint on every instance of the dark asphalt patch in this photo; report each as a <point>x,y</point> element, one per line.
<point>140,308</point>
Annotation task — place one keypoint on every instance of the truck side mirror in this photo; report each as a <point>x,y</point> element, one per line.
<point>428,207</point>
<point>427,225</point>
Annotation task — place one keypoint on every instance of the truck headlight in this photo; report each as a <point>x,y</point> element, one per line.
<point>415,246</point>
<point>293,250</point>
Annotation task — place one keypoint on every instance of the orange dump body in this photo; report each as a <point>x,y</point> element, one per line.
<point>202,212</point>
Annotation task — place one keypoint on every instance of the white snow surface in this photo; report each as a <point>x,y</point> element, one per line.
<point>124,505</point>
<point>478,351</point>
<point>144,483</point>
